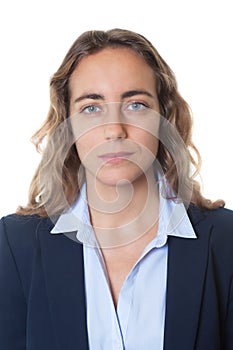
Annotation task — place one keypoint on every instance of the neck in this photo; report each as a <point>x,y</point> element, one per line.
<point>127,210</point>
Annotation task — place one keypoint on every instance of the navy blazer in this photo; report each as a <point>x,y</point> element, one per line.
<point>42,296</point>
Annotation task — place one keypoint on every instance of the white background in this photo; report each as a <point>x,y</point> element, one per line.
<point>194,37</point>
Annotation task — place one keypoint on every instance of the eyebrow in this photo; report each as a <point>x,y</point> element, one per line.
<point>90,96</point>
<point>130,93</point>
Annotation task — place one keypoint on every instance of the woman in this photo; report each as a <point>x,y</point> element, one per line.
<point>117,248</point>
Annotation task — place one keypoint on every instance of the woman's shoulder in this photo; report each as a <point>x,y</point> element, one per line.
<point>221,221</point>
<point>222,216</point>
<point>16,219</point>
<point>18,234</point>
<point>216,228</point>
<point>19,228</point>
<point>20,222</point>
<point>218,217</point>
<point>217,222</point>
<point>18,243</point>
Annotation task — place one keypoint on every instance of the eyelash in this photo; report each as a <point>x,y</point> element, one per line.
<point>84,109</point>
<point>138,103</point>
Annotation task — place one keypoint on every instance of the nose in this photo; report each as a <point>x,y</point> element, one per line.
<point>114,131</point>
<point>113,127</point>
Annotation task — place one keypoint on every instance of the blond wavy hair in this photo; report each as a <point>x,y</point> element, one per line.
<point>56,185</point>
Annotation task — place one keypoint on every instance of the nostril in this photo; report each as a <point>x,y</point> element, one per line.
<point>114,131</point>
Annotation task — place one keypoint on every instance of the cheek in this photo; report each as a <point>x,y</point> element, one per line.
<point>87,147</point>
<point>147,141</point>
<point>153,145</point>
<point>146,133</point>
<point>83,146</point>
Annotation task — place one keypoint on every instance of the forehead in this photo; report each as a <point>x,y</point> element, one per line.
<point>111,56</point>
<point>112,69</point>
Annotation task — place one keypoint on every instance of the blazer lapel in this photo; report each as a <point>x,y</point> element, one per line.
<point>187,262</point>
<point>62,261</point>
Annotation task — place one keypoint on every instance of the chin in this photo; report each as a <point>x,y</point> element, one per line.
<point>119,178</point>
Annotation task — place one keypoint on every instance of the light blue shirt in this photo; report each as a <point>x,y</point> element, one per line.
<point>138,322</point>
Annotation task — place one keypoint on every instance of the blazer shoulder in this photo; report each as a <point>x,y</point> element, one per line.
<point>219,221</point>
<point>221,218</point>
<point>20,232</point>
<point>18,242</point>
<point>19,228</point>
<point>22,225</point>
<point>217,226</point>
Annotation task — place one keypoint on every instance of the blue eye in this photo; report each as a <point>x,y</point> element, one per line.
<point>91,109</point>
<point>136,106</point>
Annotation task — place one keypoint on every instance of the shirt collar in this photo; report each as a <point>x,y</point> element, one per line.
<point>173,220</point>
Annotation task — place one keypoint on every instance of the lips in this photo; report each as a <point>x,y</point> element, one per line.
<point>115,156</point>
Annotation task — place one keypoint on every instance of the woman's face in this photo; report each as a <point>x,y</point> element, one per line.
<point>115,115</point>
